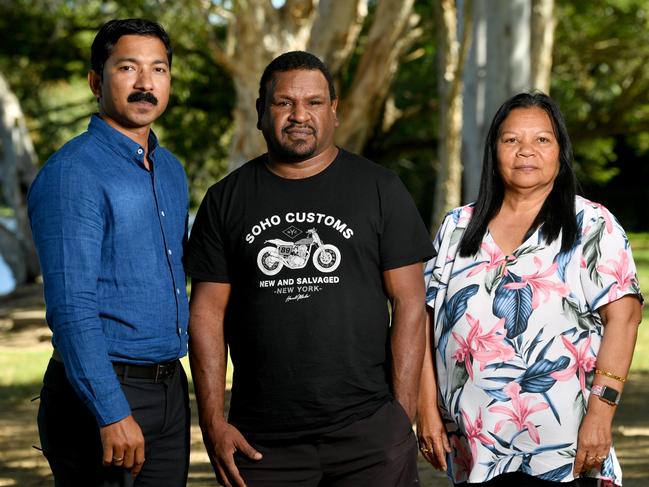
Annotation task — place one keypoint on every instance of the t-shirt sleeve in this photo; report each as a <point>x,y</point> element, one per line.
<point>608,271</point>
<point>404,239</point>
<point>206,254</point>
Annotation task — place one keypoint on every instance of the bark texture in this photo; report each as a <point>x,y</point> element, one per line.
<point>257,32</point>
<point>453,49</point>
<point>17,170</point>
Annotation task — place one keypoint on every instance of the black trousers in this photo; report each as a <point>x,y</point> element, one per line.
<point>72,445</point>
<point>519,479</point>
<point>377,451</point>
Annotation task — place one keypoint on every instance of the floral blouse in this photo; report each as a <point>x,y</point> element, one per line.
<point>516,340</point>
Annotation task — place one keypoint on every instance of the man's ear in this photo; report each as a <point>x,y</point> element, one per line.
<point>259,104</point>
<point>94,81</point>
<point>334,107</point>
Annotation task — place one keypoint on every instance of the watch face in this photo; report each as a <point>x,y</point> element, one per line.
<point>610,394</point>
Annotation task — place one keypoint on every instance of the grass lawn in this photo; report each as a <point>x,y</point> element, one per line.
<point>640,247</point>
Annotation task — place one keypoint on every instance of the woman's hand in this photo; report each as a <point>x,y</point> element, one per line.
<point>594,441</point>
<point>433,440</point>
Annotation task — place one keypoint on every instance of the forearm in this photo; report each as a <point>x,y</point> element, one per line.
<point>208,358</point>
<point>408,346</point>
<point>616,350</point>
<point>427,397</point>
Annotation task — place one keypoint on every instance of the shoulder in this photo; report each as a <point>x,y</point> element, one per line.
<point>355,165</point>
<point>459,217</point>
<point>235,181</point>
<point>591,214</point>
<point>72,164</point>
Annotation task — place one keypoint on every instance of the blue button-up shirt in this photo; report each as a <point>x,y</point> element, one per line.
<point>110,238</point>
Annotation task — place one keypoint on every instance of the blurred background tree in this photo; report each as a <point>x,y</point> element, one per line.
<point>393,75</point>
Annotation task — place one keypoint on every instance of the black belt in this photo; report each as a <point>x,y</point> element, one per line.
<point>156,372</point>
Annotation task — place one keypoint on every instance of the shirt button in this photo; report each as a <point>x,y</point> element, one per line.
<point>169,251</point>
<point>177,291</point>
<point>140,151</point>
<point>162,213</point>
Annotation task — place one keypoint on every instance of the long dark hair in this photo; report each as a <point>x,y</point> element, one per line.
<point>557,215</point>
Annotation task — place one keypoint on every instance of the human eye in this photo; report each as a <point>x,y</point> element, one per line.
<point>315,102</point>
<point>544,140</point>
<point>282,103</point>
<point>160,69</point>
<point>509,140</point>
<point>126,67</point>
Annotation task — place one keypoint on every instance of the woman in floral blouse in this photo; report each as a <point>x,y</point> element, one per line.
<point>534,305</point>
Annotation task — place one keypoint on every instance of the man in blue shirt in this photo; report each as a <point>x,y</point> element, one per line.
<point>109,218</point>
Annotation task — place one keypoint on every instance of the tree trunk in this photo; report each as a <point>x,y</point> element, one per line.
<point>515,36</point>
<point>542,43</point>
<point>17,170</point>
<point>257,32</point>
<point>453,49</point>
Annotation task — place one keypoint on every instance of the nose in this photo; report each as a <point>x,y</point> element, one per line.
<point>299,113</point>
<point>144,81</point>
<point>525,149</point>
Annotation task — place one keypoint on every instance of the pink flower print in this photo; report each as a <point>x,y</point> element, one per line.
<point>473,432</point>
<point>584,362</point>
<point>496,259</point>
<point>465,214</point>
<point>463,458</point>
<point>520,411</point>
<point>539,284</point>
<point>619,270</point>
<point>484,347</point>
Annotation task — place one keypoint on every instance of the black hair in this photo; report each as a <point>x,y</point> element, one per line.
<point>111,31</point>
<point>557,215</point>
<point>290,61</point>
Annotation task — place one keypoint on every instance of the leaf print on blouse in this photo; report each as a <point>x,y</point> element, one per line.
<point>514,305</point>
<point>584,361</point>
<point>619,270</point>
<point>519,413</point>
<point>592,250</point>
<point>450,313</point>
<point>473,432</point>
<point>540,284</point>
<point>483,347</point>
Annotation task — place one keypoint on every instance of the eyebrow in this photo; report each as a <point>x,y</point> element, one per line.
<point>137,61</point>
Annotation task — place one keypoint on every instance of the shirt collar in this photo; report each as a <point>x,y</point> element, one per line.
<point>120,143</point>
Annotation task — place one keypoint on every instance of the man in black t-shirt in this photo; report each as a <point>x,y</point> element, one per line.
<point>294,258</point>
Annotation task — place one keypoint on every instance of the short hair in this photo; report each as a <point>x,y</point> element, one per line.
<point>293,60</point>
<point>111,31</point>
<point>557,215</point>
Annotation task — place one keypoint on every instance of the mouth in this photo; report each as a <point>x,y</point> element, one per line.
<point>299,132</point>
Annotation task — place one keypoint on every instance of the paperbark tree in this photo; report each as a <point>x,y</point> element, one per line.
<point>453,47</point>
<point>17,169</point>
<point>257,31</point>
<point>511,52</point>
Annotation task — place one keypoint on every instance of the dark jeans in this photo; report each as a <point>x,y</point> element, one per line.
<point>377,451</point>
<point>519,479</point>
<point>70,436</point>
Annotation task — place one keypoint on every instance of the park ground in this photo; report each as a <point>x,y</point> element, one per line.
<point>25,349</point>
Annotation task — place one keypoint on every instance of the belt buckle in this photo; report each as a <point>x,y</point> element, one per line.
<point>157,373</point>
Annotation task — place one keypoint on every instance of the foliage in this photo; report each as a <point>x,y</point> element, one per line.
<point>601,81</point>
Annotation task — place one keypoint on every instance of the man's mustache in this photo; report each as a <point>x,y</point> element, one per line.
<point>142,96</point>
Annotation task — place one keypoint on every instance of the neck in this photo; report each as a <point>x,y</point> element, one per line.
<point>301,169</point>
<point>139,135</point>
<point>521,202</point>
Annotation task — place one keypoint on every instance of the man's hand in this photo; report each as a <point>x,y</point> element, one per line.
<point>222,440</point>
<point>123,444</point>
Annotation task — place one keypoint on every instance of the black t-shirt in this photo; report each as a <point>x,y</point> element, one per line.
<point>307,322</point>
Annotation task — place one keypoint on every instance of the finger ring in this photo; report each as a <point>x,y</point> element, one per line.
<point>424,449</point>
<point>118,459</point>
<point>599,459</point>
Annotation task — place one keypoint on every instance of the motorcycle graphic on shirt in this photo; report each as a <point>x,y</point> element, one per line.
<point>295,255</point>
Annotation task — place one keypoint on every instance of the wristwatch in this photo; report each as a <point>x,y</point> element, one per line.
<point>606,394</point>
